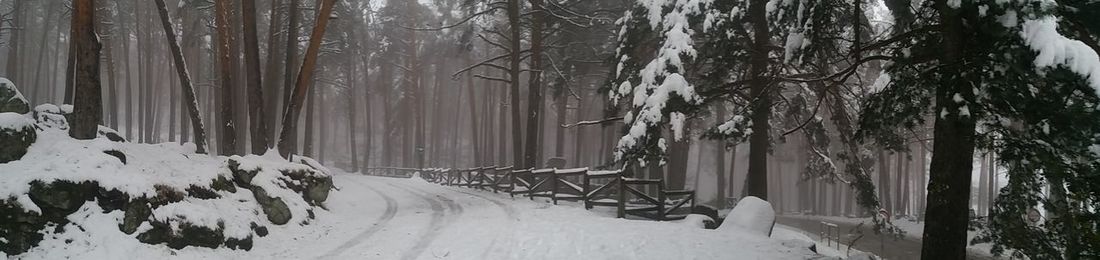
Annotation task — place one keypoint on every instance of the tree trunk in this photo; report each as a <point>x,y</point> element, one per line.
<point>185,79</point>
<point>290,118</point>
<point>952,151</point>
<point>271,73</point>
<point>757,180</point>
<point>514,54</point>
<point>288,141</point>
<point>228,133</point>
<point>258,123</point>
<point>720,157</point>
<point>88,108</point>
<point>535,91</point>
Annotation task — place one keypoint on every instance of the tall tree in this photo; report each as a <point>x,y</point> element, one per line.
<point>88,103</point>
<point>228,134</point>
<point>305,76</point>
<point>185,78</point>
<point>254,79</point>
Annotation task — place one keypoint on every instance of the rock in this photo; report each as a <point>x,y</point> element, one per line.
<point>137,212</point>
<point>58,199</point>
<point>160,233</point>
<point>50,116</point>
<point>165,195</point>
<point>192,235</point>
<point>110,134</point>
<point>11,100</point>
<point>276,210</point>
<point>260,230</point>
<point>752,214</point>
<point>19,229</point>
<point>318,191</point>
<point>111,200</point>
<point>223,184</point>
<point>201,192</point>
<point>117,154</point>
<point>241,177</point>
<point>17,133</point>
<point>242,244</point>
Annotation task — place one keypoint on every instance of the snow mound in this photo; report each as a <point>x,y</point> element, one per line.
<point>751,214</point>
<point>695,220</point>
<point>146,193</point>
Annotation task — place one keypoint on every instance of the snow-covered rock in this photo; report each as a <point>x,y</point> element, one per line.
<point>16,136</point>
<point>150,193</point>
<point>751,214</point>
<point>11,100</point>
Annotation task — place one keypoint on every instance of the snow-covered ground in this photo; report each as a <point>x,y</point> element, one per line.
<point>385,218</point>
<point>913,230</point>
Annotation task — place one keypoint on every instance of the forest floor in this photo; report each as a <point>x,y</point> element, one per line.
<point>906,247</point>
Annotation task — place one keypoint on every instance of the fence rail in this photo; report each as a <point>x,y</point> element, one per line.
<point>646,198</point>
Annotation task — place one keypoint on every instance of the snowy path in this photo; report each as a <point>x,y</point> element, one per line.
<point>385,218</point>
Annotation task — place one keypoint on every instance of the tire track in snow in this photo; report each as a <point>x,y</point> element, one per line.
<point>382,221</point>
<point>509,210</point>
<point>436,223</point>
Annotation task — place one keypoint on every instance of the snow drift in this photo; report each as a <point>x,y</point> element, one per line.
<point>154,193</point>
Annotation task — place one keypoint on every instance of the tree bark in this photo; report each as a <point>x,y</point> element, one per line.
<point>293,15</point>
<point>757,180</point>
<point>258,123</point>
<point>513,73</point>
<point>228,134</point>
<point>88,108</point>
<point>271,73</point>
<point>953,149</point>
<point>185,79</point>
<point>301,85</point>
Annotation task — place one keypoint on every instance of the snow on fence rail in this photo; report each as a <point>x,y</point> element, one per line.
<point>646,198</point>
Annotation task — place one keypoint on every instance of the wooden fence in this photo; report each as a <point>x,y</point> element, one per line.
<point>646,198</point>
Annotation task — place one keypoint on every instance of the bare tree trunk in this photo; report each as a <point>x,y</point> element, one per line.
<point>271,73</point>
<point>36,88</point>
<point>258,124</point>
<point>13,68</point>
<point>478,160</point>
<point>228,133</point>
<point>185,79</point>
<point>88,108</point>
<point>759,142</point>
<point>290,118</point>
<point>513,73</point>
<point>720,157</point>
<point>291,138</point>
<point>311,110</point>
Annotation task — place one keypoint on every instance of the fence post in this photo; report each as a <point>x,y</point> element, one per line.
<point>585,189</point>
<point>661,200</point>
<point>622,196</point>
<point>554,186</point>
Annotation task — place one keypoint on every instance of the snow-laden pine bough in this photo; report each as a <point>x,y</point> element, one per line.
<point>645,198</point>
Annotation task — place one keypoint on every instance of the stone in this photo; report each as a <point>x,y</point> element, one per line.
<point>201,192</point>
<point>11,100</point>
<point>241,177</point>
<point>137,212</point>
<point>50,116</point>
<point>110,134</point>
<point>19,228</point>
<point>58,199</point>
<point>117,154</point>
<point>276,210</point>
<point>242,244</point>
<point>111,200</point>
<point>192,235</point>
<point>17,133</point>
<point>223,184</point>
